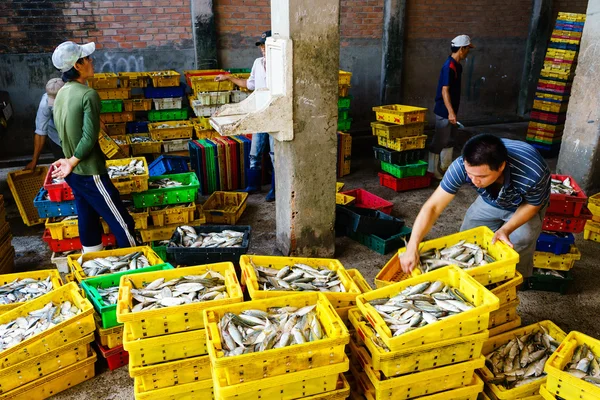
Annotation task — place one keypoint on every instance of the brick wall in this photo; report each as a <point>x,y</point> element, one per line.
<point>30,26</point>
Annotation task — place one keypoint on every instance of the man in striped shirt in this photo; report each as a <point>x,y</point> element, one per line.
<point>513,183</point>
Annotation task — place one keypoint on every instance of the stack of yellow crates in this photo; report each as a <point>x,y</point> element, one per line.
<point>592,227</point>
<point>168,345</point>
<point>7,251</point>
<point>344,124</point>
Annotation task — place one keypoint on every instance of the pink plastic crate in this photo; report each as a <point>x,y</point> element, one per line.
<point>565,204</point>
<point>57,191</point>
<point>404,184</point>
<point>365,199</point>
<point>563,223</point>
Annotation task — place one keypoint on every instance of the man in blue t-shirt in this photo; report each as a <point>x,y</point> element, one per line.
<point>447,101</point>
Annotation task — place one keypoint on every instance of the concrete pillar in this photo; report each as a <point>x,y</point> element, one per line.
<point>540,26</point>
<point>392,51</point>
<point>205,34</point>
<point>306,166</point>
<point>580,150</point>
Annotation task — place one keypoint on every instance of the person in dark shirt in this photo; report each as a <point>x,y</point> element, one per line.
<point>447,101</point>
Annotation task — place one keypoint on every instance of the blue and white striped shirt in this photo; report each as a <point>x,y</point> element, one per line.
<point>526,178</point>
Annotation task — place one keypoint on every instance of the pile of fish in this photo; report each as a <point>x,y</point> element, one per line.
<point>112,264</point>
<point>109,295</point>
<point>562,187</point>
<point>299,277</point>
<point>61,219</point>
<point>549,272</point>
<point>521,361</point>
<point>135,167</point>
<point>257,330</point>
<point>463,254</point>
<point>139,139</point>
<point>57,181</point>
<point>22,328</point>
<point>160,208</point>
<point>120,142</point>
<point>585,365</point>
<point>25,289</point>
<point>185,290</point>
<point>167,126</point>
<point>164,183</point>
<point>420,305</point>
<point>188,237</point>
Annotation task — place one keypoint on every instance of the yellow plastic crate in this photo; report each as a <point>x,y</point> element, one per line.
<point>205,133</point>
<point>556,73</point>
<point>507,312</point>
<point>140,220</point>
<point>161,349</point>
<point>65,229</point>
<point>293,385</point>
<point>338,186</point>
<point>399,114</point>
<point>343,90</point>
<point>414,359</point>
<point>107,80</point>
<point>131,183</point>
<point>502,269</point>
<point>342,392</point>
<point>115,129</point>
<point>172,373</point>
<point>72,259</point>
<point>109,147</point>
<point>275,363</point>
<point>530,389</point>
<point>364,288</point>
<point>111,337</point>
<point>164,78</point>
<point>545,394</point>
<point>186,317</point>
<point>394,131</point>
<point>207,83</point>
<point>566,16</point>
<point>181,391</point>
<point>558,97</point>
<point>561,54</point>
<point>225,207</point>
<point>139,148</point>
<point>24,186</point>
<point>546,127</point>
<point>202,122</point>
<point>507,291</point>
<point>55,337</point>
<point>464,324</point>
<point>180,214</point>
<point>255,291</point>
<point>112,118</point>
<point>123,143</point>
<point>344,199</point>
<point>56,382</point>
<point>114,94</point>
<point>39,275</point>
<point>137,105</point>
<point>43,365</point>
<point>403,144</point>
<point>167,130</point>
<point>591,235</point>
<point>159,233</point>
<point>562,262</point>
<point>591,226</point>
<point>344,78</point>
<point>507,326</point>
<point>133,79</point>
<point>550,106</point>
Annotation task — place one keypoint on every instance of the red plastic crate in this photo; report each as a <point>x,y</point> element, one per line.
<point>365,199</point>
<point>565,204</point>
<point>115,357</point>
<point>58,246</point>
<point>57,191</point>
<point>563,223</point>
<point>404,184</point>
<point>550,117</point>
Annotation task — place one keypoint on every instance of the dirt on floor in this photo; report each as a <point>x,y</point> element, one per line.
<point>577,310</point>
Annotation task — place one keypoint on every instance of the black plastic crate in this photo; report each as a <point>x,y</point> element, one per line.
<point>199,256</point>
<point>137,127</point>
<point>399,157</point>
<point>367,221</point>
<point>385,244</point>
<point>547,283</point>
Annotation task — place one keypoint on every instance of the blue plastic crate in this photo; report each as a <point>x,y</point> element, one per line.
<point>546,150</point>
<point>563,46</point>
<point>555,242</point>
<point>163,92</point>
<point>137,127</point>
<point>50,209</point>
<point>564,21</point>
<point>569,27</point>
<point>164,165</point>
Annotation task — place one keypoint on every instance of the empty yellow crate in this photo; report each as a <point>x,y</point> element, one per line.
<point>39,275</point>
<point>178,214</point>
<point>344,78</point>
<point>273,363</point>
<point>550,106</point>
<point>506,291</point>
<point>255,291</point>
<point>111,337</point>
<point>394,131</point>
<point>562,262</point>
<point>507,312</point>
<point>164,78</point>
<point>545,394</point>
<point>137,105</point>
<point>502,269</point>
<point>530,389</point>
<point>186,317</point>
<point>167,130</point>
<point>207,83</point>
<point>403,144</point>
<point>418,358</point>
<point>181,391</point>
<point>130,183</point>
<point>107,80</point>
<point>24,186</point>
<point>133,79</point>
<point>140,220</point>
<point>172,373</point>
<point>126,116</point>
<point>114,94</point>
<point>65,332</point>
<point>464,324</point>
<point>65,229</point>
<point>508,326</point>
<point>591,235</point>
<point>399,114</point>
<point>225,207</point>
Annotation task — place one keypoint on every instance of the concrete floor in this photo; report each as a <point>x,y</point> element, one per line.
<point>577,310</point>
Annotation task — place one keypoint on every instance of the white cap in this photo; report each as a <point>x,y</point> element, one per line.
<point>52,88</point>
<point>66,54</point>
<point>461,41</point>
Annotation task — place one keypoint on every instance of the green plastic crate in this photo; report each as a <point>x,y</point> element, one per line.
<point>344,124</point>
<point>160,251</point>
<point>170,195</point>
<point>382,245</point>
<point>547,283</point>
<point>239,70</point>
<point>343,114</point>
<point>111,106</point>
<point>344,102</point>
<point>211,169</point>
<point>168,115</point>
<point>405,171</point>
<point>108,313</point>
